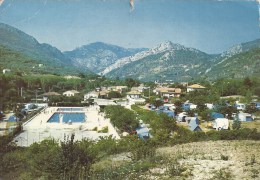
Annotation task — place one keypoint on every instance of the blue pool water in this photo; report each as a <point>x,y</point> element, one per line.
<point>69,109</point>
<point>67,117</point>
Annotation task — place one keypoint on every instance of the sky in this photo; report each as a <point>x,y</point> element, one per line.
<point>208,25</point>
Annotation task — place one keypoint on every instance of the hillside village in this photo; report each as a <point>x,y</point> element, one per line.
<point>160,113</point>
<point>127,119</point>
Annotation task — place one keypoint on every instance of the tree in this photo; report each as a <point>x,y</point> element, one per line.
<point>228,110</point>
<point>247,82</point>
<point>236,125</point>
<point>190,113</point>
<point>131,82</point>
<point>163,127</point>
<point>155,101</point>
<point>75,158</point>
<point>123,119</point>
<point>205,114</point>
<point>114,94</point>
<point>250,109</point>
<point>178,107</point>
<point>257,91</point>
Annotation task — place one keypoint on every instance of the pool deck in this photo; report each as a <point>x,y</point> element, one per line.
<point>38,129</point>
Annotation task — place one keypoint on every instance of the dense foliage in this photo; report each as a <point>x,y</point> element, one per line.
<point>23,88</point>
<point>124,119</point>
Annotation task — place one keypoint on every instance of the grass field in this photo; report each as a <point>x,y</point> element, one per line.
<point>251,125</point>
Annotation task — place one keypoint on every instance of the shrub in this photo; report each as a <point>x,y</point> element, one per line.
<point>222,175</point>
<point>176,169</point>
<point>123,119</point>
<point>223,157</point>
<point>236,125</point>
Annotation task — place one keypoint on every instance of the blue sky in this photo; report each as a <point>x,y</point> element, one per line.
<point>210,26</point>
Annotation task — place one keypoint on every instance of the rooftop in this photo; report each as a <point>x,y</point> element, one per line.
<point>196,86</point>
<point>51,94</point>
<point>134,92</point>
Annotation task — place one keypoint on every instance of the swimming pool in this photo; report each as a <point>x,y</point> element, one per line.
<point>70,109</point>
<point>67,117</point>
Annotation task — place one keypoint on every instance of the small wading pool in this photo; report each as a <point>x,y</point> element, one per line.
<point>70,109</point>
<point>67,117</point>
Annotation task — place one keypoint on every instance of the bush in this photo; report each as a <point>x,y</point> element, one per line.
<point>123,119</point>
<point>222,174</point>
<point>142,150</point>
<point>223,157</point>
<point>114,94</point>
<point>176,169</point>
<point>236,125</point>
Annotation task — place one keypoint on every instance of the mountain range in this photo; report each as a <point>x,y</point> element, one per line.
<point>97,56</point>
<point>166,61</point>
<point>17,42</point>
<point>175,62</point>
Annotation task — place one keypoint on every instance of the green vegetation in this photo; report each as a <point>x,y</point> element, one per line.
<point>48,160</point>
<point>236,125</point>
<point>124,119</point>
<point>23,88</point>
<point>114,94</point>
<point>171,66</point>
<point>238,66</point>
<point>21,63</point>
<point>104,130</point>
<point>37,68</point>
<point>86,159</point>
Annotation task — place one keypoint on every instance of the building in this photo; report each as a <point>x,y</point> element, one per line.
<point>92,94</point>
<point>46,96</point>
<point>195,87</point>
<point>104,102</point>
<point>103,94</point>
<point>70,93</point>
<point>133,95</point>
<point>140,88</point>
<point>168,92</point>
<point>119,89</point>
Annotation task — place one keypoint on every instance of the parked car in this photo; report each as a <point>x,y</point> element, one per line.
<point>240,106</point>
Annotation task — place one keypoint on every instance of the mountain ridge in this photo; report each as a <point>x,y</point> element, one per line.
<point>18,41</point>
<point>182,70</point>
<point>166,60</point>
<point>97,56</point>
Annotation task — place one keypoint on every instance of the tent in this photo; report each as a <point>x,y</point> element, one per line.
<point>194,124</point>
<point>220,123</point>
<point>215,115</point>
